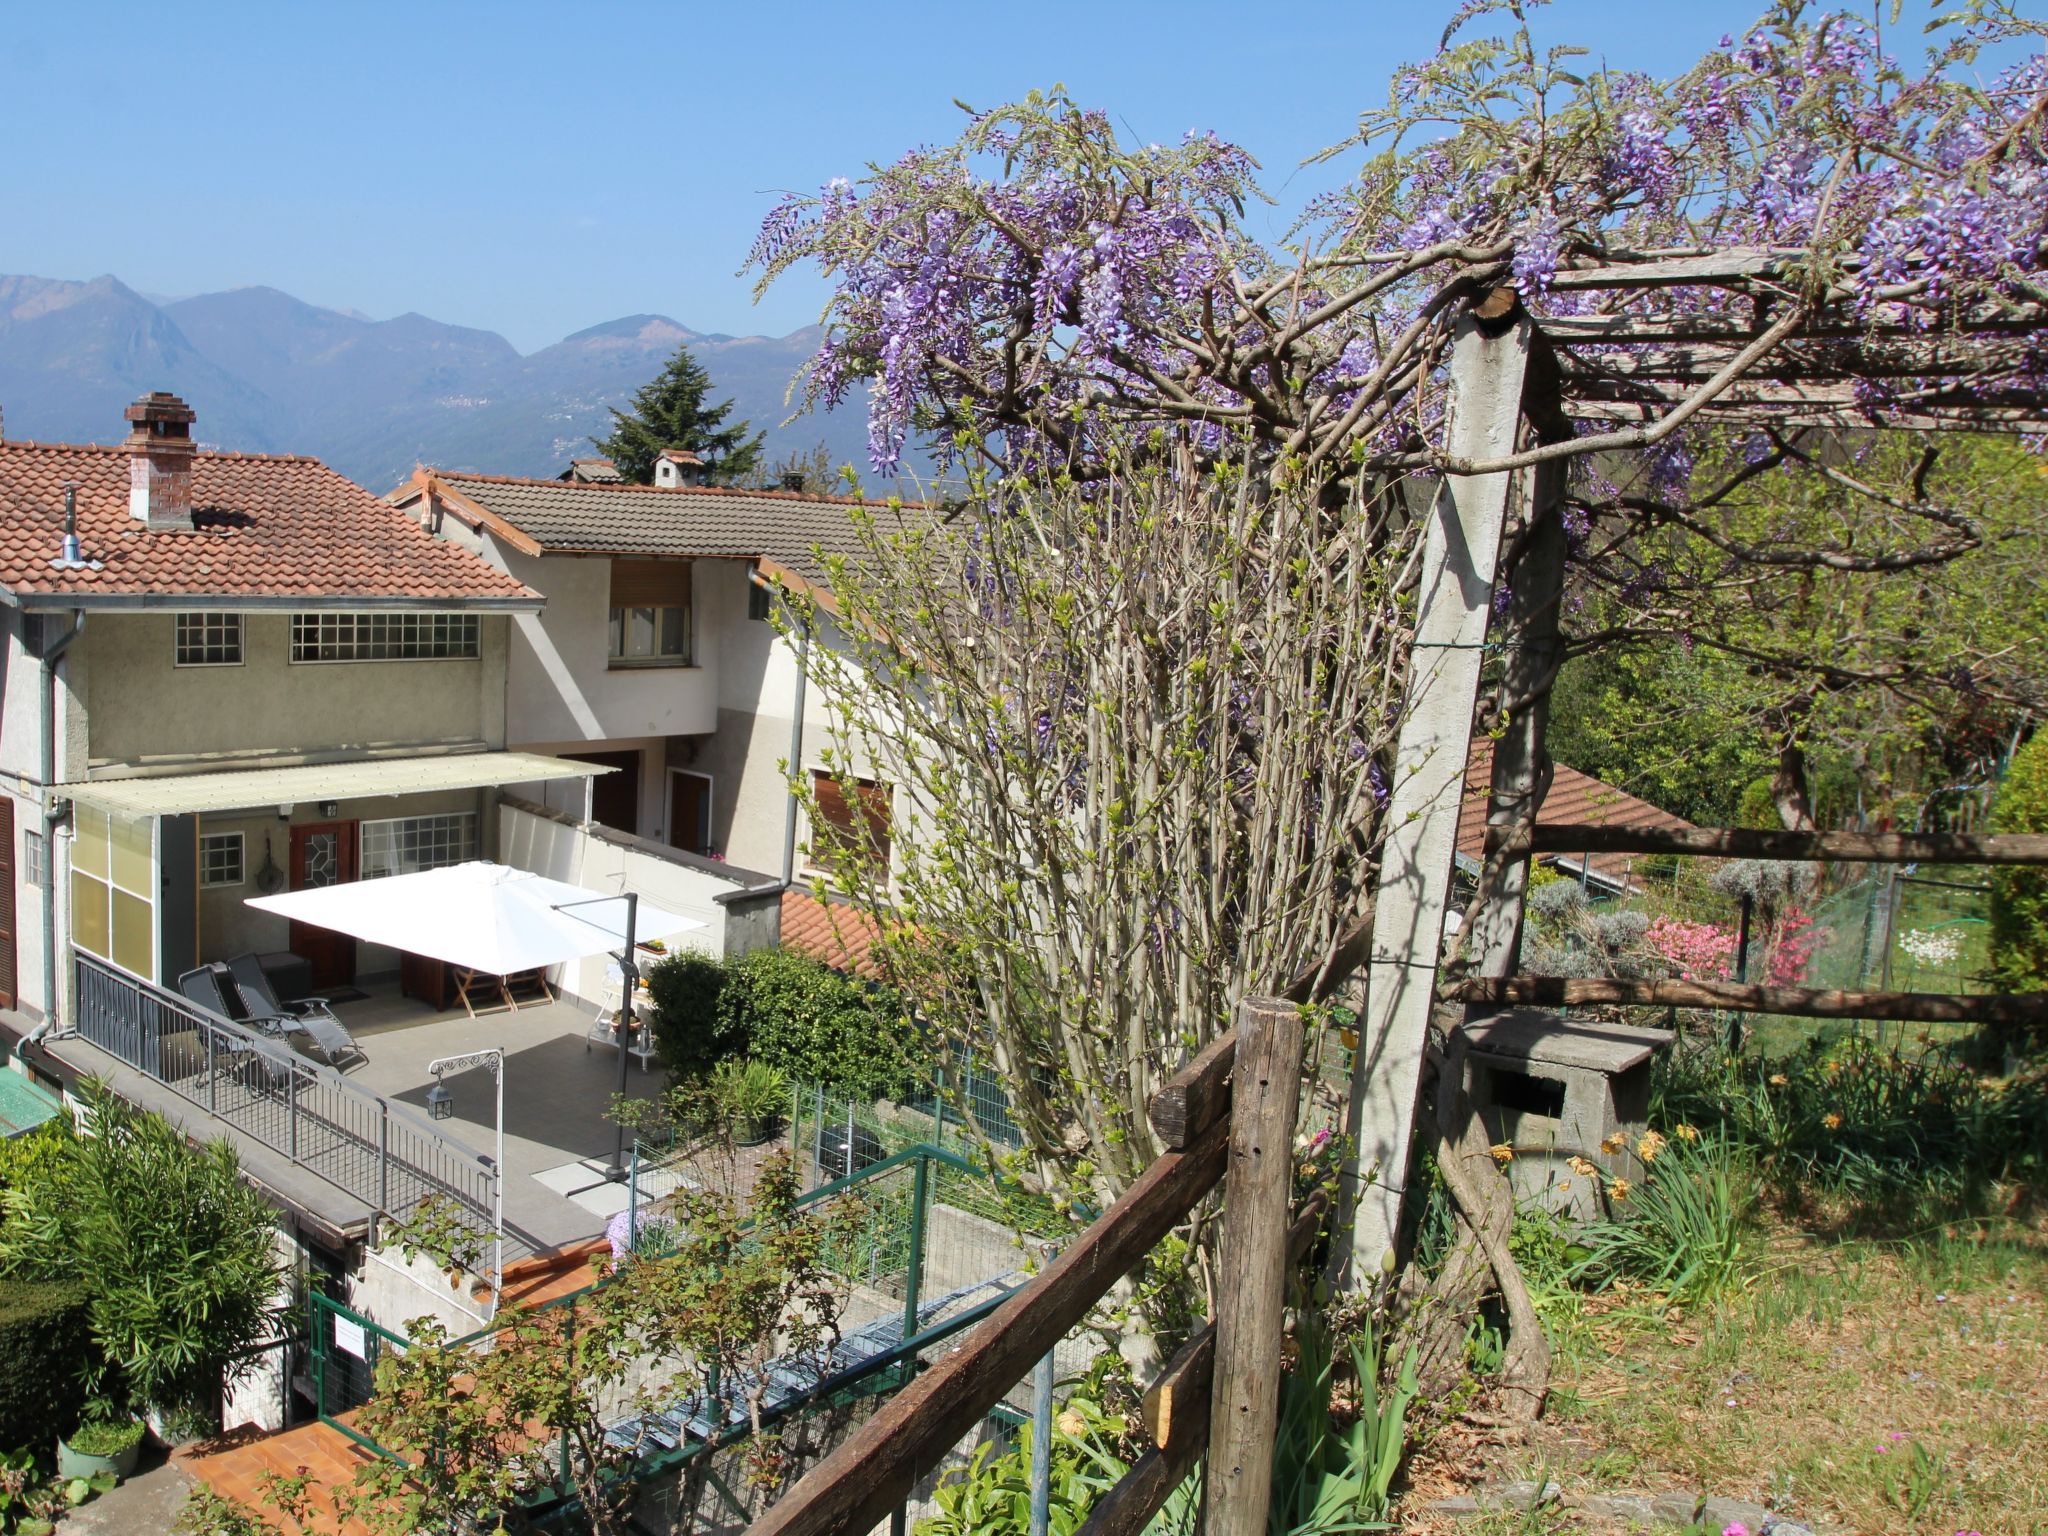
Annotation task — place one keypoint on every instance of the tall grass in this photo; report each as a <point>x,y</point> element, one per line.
<point>1898,1136</point>
<point>1683,1228</point>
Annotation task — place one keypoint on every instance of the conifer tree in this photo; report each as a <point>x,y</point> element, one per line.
<point>669,412</point>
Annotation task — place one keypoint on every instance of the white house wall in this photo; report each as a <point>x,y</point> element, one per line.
<point>560,684</point>
<point>561,852</point>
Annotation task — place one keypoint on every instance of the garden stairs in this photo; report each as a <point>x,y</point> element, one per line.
<point>236,1465</point>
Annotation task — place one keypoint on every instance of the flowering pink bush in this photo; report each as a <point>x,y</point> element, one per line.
<point>1697,951</point>
<point>1793,947</point>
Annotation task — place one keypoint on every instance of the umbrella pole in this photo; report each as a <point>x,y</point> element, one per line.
<point>629,979</point>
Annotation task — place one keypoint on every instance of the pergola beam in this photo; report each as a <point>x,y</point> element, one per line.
<point>1791,847</point>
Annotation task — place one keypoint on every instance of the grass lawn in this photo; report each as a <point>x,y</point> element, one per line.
<point>1855,1386</point>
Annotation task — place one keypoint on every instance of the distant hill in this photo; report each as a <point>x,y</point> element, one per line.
<point>268,372</point>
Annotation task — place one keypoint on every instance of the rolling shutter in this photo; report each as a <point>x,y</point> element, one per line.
<point>650,584</point>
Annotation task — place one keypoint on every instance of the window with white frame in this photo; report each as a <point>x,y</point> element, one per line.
<point>220,859</point>
<point>406,845</point>
<point>651,634</point>
<point>209,640</point>
<point>384,636</point>
<point>35,859</point>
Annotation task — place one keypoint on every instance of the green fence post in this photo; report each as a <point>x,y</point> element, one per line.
<point>319,1356</point>
<point>913,1272</point>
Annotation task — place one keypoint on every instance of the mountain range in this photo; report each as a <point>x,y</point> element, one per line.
<point>269,373</point>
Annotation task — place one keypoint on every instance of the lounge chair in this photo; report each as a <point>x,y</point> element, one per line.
<point>327,1036</point>
<point>212,990</point>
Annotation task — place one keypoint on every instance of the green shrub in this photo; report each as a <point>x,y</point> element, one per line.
<point>818,1026</point>
<point>105,1437</point>
<point>30,1158</point>
<point>749,1095</point>
<point>692,1032</point>
<point>178,1250</point>
<point>46,1357</point>
<point>991,1496</point>
<point>2019,893</point>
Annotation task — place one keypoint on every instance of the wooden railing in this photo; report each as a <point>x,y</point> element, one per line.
<point>1229,1116</point>
<point>2029,1008</point>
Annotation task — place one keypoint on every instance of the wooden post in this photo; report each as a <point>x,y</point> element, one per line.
<point>1521,762</point>
<point>1489,362</point>
<point>1252,1270</point>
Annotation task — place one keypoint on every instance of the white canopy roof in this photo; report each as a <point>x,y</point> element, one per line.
<point>177,794</point>
<point>488,917</point>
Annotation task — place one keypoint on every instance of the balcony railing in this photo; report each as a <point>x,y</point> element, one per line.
<point>381,1153</point>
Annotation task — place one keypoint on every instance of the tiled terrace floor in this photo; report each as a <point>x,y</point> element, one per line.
<point>557,1088</point>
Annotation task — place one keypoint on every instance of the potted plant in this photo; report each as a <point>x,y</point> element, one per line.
<point>108,1445</point>
<point>749,1096</point>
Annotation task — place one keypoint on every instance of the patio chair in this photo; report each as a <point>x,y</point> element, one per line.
<point>210,988</point>
<point>325,1034</point>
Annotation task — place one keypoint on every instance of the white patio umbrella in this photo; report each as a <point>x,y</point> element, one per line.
<point>488,917</point>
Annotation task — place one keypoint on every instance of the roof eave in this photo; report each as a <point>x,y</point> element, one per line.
<point>283,602</point>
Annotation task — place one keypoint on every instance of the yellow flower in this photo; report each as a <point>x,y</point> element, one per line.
<point>1581,1167</point>
<point>1779,1079</point>
<point>1685,1132</point>
<point>1563,1185</point>
<point>1071,1424</point>
<point>1617,1191</point>
<point>1831,1120</point>
<point>1501,1153</point>
<point>1615,1143</point>
<point>1834,1067</point>
<point>1648,1148</point>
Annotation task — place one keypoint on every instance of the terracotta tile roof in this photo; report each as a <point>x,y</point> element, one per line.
<point>265,526</point>
<point>1574,798</point>
<point>708,521</point>
<point>834,932</point>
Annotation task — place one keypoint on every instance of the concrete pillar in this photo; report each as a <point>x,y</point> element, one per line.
<point>1460,549</point>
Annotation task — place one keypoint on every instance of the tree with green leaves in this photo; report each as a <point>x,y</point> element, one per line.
<point>743,1287</point>
<point>2019,893</point>
<point>670,412</point>
<point>179,1250</point>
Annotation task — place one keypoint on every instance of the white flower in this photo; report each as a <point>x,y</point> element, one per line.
<point>1930,946</point>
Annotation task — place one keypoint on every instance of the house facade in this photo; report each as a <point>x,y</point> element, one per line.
<point>227,674</point>
<point>657,655</point>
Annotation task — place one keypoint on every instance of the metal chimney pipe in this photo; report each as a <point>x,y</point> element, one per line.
<point>72,554</point>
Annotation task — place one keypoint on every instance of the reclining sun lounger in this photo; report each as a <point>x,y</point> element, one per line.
<point>325,1034</point>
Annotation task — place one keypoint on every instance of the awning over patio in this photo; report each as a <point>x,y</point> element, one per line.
<point>489,917</point>
<point>185,793</point>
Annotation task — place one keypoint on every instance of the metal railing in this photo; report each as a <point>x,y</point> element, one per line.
<point>918,1270</point>
<point>379,1152</point>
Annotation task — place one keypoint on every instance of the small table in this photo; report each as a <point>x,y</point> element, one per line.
<point>443,986</point>
<point>604,1029</point>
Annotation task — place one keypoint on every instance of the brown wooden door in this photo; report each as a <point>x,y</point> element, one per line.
<point>324,853</point>
<point>614,797</point>
<point>7,903</point>
<point>689,812</point>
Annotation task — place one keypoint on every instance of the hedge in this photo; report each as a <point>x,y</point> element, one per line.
<point>691,1034</point>
<point>788,1010</point>
<point>46,1351</point>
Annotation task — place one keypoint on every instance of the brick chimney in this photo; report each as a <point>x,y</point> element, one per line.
<point>678,466</point>
<point>159,445</point>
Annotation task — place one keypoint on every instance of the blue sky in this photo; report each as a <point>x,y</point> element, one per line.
<point>533,169</point>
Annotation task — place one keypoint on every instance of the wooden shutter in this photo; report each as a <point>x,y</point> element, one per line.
<point>650,583</point>
<point>870,837</point>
